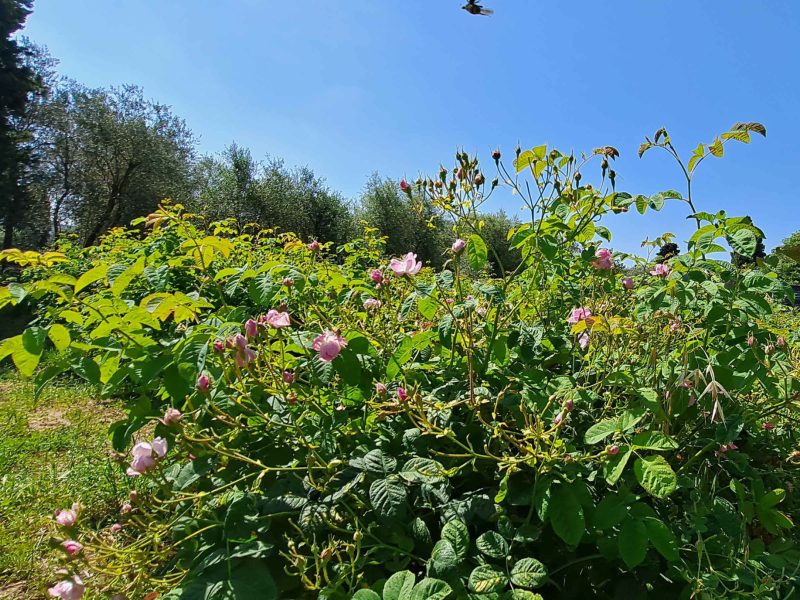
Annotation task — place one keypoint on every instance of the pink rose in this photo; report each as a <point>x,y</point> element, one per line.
<point>116,528</point>
<point>125,508</point>
<point>314,246</point>
<point>404,185</point>
<point>372,304</point>
<point>203,383</point>
<point>72,547</point>
<point>406,266</point>
<point>288,377</point>
<point>69,589</point>
<point>160,447</point>
<point>627,283</point>
<point>583,340</point>
<point>613,450</point>
<point>67,517</point>
<point>660,270</point>
<point>276,319</point>
<point>402,395</point>
<point>172,415</point>
<point>578,315</point>
<point>219,346</point>
<point>329,344</point>
<point>238,341</point>
<point>458,246</point>
<point>251,328</point>
<point>245,357</point>
<point>376,275</point>
<point>604,259</point>
<point>142,460</point>
<point>380,389</point>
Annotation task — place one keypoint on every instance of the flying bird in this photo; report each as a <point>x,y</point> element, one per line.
<point>473,8</point>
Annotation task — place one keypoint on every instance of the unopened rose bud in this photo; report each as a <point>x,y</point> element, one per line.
<point>404,185</point>
<point>251,328</point>
<point>203,383</point>
<point>479,179</point>
<point>314,246</point>
<point>751,340</point>
<point>613,450</point>
<point>72,547</point>
<point>402,395</point>
<point>376,276</point>
<point>172,415</point>
<point>219,346</point>
<point>559,418</point>
<point>458,246</point>
<point>496,154</point>
<point>288,377</point>
<point>288,282</point>
<point>380,389</point>
<point>133,495</point>
<point>568,405</point>
<point>627,283</point>
<point>768,426</point>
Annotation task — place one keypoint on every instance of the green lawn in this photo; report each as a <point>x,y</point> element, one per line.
<point>53,452</point>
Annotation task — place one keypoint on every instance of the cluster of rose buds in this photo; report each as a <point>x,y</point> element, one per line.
<point>69,589</point>
<point>146,455</point>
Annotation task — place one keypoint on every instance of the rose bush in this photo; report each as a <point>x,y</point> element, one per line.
<point>311,422</point>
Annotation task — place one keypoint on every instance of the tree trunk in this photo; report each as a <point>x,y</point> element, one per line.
<point>8,232</point>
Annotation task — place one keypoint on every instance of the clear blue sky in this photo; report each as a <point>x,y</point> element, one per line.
<point>349,87</point>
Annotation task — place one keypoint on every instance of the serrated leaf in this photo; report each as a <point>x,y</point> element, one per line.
<point>366,595</point>
<point>378,461</point>
<point>528,573</point>
<point>477,253</point>
<point>399,586</point>
<point>431,589</point>
<point>60,336</point>
<point>655,475</point>
<point>615,466</point>
<point>633,542</point>
<point>387,496</point>
<point>600,431</point>
<point>456,532</point>
<point>654,440</point>
<point>486,578</point>
<point>444,556</point>
<point>492,544</point>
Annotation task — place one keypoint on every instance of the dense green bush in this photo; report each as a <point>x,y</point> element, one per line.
<point>389,431</point>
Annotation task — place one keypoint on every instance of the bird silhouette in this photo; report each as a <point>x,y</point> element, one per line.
<point>473,8</point>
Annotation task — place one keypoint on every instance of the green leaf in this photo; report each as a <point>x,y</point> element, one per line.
<point>423,470</point>
<point>492,544</point>
<point>773,498</point>
<point>743,241</point>
<point>430,589</point>
<point>122,281</point>
<point>91,276</point>
<point>399,586</point>
<point>655,475</point>
<point>662,538</point>
<point>611,511</point>
<point>521,595</point>
<point>387,496</point>
<point>477,253</point>
<point>378,461</point>
<point>633,542</point>
<point>427,306</point>
<point>366,595</point>
<point>654,440</point>
<point>615,465</point>
<point>566,515</point>
<point>457,534</point>
<point>401,356</point>
<point>60,336</point>
<point>486,578</point>
<point>444,557</point>
<point>528,573</point>
<point>600,431</point>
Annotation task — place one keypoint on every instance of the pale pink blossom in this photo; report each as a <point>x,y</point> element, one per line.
<point>660,270</point>
<point>172,416</point>
<point>380,389</point>
<point>627,283</point>
<point>578,315</point>
<point>458,246</point>
<point>160,447</point>
<point>72,547</point>
<point>372,304</point>
<point>116,528</point>
<point>67,517</point>
<point>276,319</point>
<point>251,328</point>
<point>583,340</point>
<point>406,266</point>
<point>69,589</point>
<point>329,345</point>
<point>604,259</point>
<point>245,357</point>
<point>238,341</point>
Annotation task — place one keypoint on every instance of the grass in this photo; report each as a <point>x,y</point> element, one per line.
<point>53,451</point>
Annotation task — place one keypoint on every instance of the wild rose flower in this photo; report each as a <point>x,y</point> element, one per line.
<point>251,328</point>
<point>583,340</point>
<point>380,389</point>
<point>245,357</point>
<point>142,460</point>
<point>69,589</point>
<point>160,447</point>
<point>72,547</point>
<point>627,283</point>
<point>67,517</point>
<point>613,450</point>
<point>314,246</point>
<point>116,528</point>
<point>767,426</point>
<point>238,341</point>
<point>376,275</point>
<point>458,246</point>
<point>288,377</point>
<point>276,320</point>
<point>660,270</point>
<point>402,395</point>
<point>372,304</point>
<point>578,315</point>
<point>203,383</point>
<point>172,415</point>
<point>406,266</point>
<point>329,345</point>
<point>604,259</point>
<point>675,324</point>
<point>404,185</point>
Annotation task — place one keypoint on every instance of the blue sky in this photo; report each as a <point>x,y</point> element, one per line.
<point>349,87</point>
